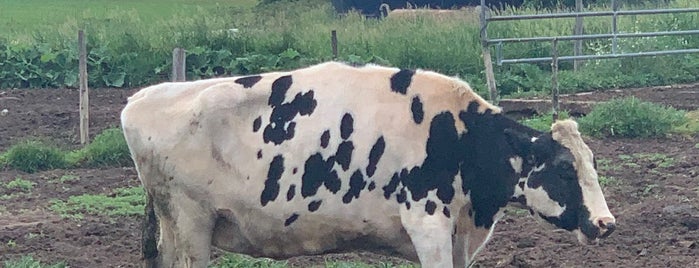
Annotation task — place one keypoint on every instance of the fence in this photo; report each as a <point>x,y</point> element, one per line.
<point>577,36</point>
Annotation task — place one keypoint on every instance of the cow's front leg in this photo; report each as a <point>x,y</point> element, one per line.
<point>431,236</point>
<point>469,239</point>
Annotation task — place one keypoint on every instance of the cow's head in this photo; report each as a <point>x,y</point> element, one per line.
<point>559,181</point>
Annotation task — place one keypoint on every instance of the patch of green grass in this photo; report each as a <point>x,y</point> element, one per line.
<point>109,148</point>
<point>605,164</point>
<point>607,180</point>
<point>543,122</point>
<point>231,260</point>
<point>691,125</point>
<point>29,15</point>
<point>29,262</point>
<point>68,178</point>
<point>696,146</point>
<point>32,156</point>
<point>122,202</point>
<point>661,160</point>
<point>630,117</point>
<point>20,184</point>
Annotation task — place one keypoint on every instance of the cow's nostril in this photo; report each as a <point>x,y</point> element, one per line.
<point>610,226</point>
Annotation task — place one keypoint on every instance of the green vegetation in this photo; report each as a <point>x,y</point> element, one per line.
<point>607,180</point>
<point>543,122</point>
<point>68,178</point>
<point>130,44</point>
<point>33,155</point>
<point>20,184</point>
<point>29,262</point>
<point>122,202</point>
<point>630,117</point>
<point>107,149</point>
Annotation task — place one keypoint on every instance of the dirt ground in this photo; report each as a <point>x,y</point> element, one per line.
<point>652,187</point>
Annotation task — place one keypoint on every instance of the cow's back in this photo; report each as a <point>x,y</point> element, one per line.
<point>294,162</point>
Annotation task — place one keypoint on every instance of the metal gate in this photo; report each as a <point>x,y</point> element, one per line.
<point>555,58</point>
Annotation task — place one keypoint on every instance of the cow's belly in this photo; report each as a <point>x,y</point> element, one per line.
<point>258,232</point>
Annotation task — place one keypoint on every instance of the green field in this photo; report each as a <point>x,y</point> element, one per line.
<point>19,17</point>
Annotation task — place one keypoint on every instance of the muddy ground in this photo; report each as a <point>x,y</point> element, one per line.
<point>652,187</point>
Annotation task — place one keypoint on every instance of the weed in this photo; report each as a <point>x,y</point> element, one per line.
<point>123,202</point>
<point>660,160</point>
<point>108,149</point>
<point>29,262</point>
<point>236,260</point>
<point>630,117</point>
<point>607,180</point>
<point>33,235</point>
<point>605,164</point>
<point>68,178</point>
<point>20,184</point>
<point>691,125</point>
<point>31,156</point>
<point>696,146</point>
<point>649,188</point>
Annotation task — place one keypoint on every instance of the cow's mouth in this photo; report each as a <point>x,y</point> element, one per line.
<point>588,233</point>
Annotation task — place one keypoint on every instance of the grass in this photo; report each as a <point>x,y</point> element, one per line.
<point>32,155</point>
<point>29,262</point>
<point>25,16</point>
<point>231,260</point>
<point>631,117</point>
<point>122,202</point>
<point>543,122</point>
<point>20,184</point>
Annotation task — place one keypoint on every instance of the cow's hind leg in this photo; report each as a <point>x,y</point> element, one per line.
<point>185,239</point>
<point>431,236</point>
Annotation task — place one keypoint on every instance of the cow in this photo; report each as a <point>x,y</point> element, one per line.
<point>339,158</point>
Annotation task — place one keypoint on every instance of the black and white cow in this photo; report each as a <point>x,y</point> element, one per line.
<point>335,158</point>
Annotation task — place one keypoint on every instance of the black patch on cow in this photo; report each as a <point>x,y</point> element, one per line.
<point>416,109</point>
<point>521,185</point>
<point>486,172</point>
<point>407,205</point>
<point>248,81</point>
<point>441,164</point>
<point>391,187</point>
<point>314,205</point>
<point>276,168</point>
<point>279,88</point>
<point>343,156</point>
<point>259,154</point>
<point>294,171</point>
<point>346,126</point>
<point>372,186</point>
<point>281,127</point>
<point>402,196</point>
<point>357,184</point>
<point>291,192</point>
<point>374,156</point>
<point>256,124</point>
<point>291,219</point>
<point>520,199</point>
<point>400,81</point>
<point>446,212</point>
<point>318,171</point>
<point>430,207</point>
<point>325,139</point>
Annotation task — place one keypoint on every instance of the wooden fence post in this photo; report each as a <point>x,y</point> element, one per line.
<point>487,61</point>
<point>333,42</point>
<point>577,47</point>
<point>178,65</point>
<point>84,92</point>
<point>554,79</point>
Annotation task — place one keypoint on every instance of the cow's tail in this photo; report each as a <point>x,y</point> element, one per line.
<point>149,244</point>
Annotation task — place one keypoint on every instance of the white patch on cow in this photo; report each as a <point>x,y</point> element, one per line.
<point>534,139</point>
<point>566,132</point>
<point>516,163</point>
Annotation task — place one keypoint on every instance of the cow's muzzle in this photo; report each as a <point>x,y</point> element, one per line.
<point>606,226</point>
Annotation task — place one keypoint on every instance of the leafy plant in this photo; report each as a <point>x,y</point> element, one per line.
<point>32,155</point>
<point>20,184</point>
<point>630,117</point>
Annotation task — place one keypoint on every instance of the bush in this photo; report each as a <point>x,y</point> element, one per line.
<point>108,149</point>
<point>28,261</point>
<point>32,156</point>
<point>630,117</point>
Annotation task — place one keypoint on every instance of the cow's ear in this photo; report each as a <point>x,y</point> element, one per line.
<point>520,143</point>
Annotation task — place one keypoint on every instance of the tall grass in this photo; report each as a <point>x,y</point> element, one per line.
<point>126,50</point>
